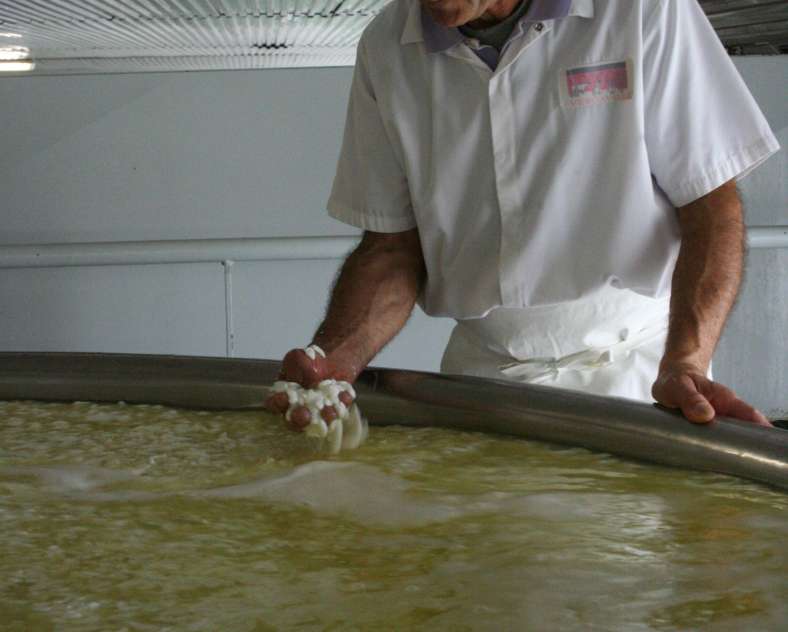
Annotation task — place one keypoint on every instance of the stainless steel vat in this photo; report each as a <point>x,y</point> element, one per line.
<point>617,426</point>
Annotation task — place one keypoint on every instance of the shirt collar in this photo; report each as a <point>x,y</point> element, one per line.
<point>420,27</point>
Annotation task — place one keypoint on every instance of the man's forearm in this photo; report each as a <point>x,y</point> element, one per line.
<point>707,276</point>
<point>371,300</point>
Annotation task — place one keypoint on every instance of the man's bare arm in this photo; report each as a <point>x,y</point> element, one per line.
<point>705,284</point>
<point>370,303</point>
<point>707,276</point>
<point>372,299</point>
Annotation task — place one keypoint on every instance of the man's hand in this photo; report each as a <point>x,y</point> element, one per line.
<point>685,386</point>
<point>298,367</point>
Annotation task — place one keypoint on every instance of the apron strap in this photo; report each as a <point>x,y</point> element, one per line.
<point>539,369</point>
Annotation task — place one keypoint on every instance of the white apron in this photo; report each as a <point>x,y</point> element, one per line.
<point>607,344</point>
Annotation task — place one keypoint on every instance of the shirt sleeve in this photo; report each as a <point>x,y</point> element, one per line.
<point>370,189</point>
<point>702,125</point>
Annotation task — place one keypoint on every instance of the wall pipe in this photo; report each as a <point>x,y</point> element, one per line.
<point>174,251</point>
<point>618,426</point>
<point>216,250</point>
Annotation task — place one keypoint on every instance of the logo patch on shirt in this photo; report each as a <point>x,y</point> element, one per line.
<point>597,83</point>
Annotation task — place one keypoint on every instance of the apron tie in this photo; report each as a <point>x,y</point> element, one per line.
<point>537,370</point>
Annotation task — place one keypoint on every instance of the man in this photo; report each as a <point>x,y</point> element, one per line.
<point>559,177</point>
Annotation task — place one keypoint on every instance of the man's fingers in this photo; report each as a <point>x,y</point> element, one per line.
<point>728,404</point>
<point>734,407</point>
<point>680,391</point>
<point>346,398</point>
<point>329,413</point>
<point>701,400</point>
<point>277,403</point>
<point>697,409</point>
<point>693,403</point>
<point>300,418</point>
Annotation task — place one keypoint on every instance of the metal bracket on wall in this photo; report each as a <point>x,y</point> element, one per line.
<point>228,308</point>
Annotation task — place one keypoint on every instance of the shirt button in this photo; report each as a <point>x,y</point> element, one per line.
<point>539,26</point>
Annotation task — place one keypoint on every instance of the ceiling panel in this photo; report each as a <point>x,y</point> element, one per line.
<point>87,36</point>
<point>750,26</point>
<point>157,35</point>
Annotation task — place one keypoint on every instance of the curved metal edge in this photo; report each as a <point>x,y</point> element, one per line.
<point>387,396</point>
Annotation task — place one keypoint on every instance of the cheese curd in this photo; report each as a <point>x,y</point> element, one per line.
<point>347,431</point>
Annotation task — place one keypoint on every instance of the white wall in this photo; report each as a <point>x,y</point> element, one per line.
<point>170,156</point>
<point>252,154</point>
<point>176,156</point>
<point>752,356</point>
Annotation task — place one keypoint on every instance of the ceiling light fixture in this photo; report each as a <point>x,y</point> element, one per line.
<point>16,66</point>
<point>14,53</point>
<point>10,35</point>
<point>15,59</point>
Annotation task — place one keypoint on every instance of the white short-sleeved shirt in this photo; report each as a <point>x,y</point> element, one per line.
<point>557,173</point>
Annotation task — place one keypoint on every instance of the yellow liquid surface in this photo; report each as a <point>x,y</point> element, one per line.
<point>120,517</point>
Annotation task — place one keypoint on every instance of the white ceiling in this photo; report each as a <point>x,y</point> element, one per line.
<point>84,36</point>
<point>156,35</point>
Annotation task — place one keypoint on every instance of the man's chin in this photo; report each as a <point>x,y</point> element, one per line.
<point>446,18</point>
